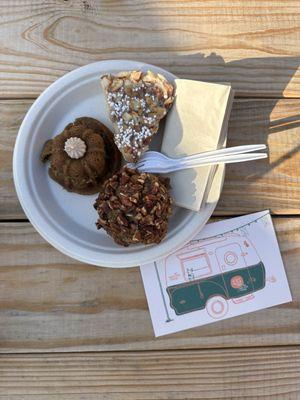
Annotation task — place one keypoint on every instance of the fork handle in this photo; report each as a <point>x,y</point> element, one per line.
<point>226,159</point>
<point>196,163</point>
<point>224,152</point>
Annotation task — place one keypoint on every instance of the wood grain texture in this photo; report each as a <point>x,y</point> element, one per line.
<point>48,302</point>
<point>273,184</point>
<point>11,116</point>
<point>249,374</point>
<point>254,45</point>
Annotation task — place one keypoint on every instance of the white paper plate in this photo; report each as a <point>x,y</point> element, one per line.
<point>67,220</point>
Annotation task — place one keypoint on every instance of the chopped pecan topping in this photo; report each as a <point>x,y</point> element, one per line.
<point>134,207</point>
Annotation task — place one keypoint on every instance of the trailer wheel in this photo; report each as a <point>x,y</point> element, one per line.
<point>217,307</point>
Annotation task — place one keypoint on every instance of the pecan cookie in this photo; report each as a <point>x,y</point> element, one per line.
<point>134,207</point>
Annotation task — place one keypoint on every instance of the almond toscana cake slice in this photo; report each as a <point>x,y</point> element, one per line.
<point>137,101</point>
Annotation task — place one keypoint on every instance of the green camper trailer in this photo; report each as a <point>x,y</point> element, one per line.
<point>210,273</point>
<point>192,296</point>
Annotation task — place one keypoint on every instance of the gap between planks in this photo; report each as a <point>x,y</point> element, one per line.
<point>216,217</point>
<point>150,351</point>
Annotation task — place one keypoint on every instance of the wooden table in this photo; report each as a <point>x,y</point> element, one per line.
<point>74,331</point>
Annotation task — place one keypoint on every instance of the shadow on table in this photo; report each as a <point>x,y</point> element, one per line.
<point>273,78</point>
<point>250,77</point>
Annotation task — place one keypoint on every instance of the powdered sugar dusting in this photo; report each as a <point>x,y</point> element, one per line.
<point>136,104</point>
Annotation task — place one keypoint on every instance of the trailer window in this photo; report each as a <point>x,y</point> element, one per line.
<point>195,266</point>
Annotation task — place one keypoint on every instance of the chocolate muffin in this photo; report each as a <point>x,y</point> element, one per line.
<point>83,156</point>
<point>134,207</point>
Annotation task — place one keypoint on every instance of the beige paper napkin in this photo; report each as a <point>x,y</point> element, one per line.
<point>197,122</point>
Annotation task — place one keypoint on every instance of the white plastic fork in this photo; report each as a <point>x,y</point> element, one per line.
<point>156,162</point>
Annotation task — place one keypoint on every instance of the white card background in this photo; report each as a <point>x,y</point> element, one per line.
<point>219,247</point>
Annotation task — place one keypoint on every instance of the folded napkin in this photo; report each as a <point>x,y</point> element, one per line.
<point>197,122</point>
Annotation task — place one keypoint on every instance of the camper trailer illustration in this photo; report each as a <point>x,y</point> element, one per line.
<point>209,274</point>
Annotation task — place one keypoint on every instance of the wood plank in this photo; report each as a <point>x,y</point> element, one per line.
<point>248,187</point>
<point>252,374</point>
<point>254,45</point>
<point>272,184</point>
<point>11,116</point>
<point>48,302</point>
